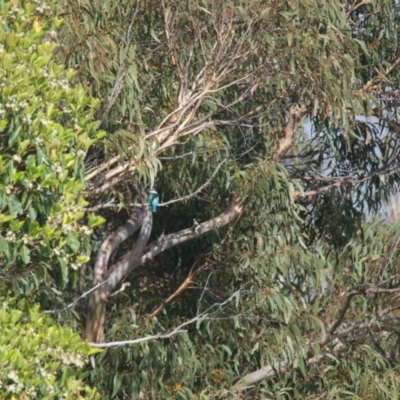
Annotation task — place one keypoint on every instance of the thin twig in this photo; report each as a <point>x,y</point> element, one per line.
<point>137,341</point>
<point>345,181</point>
<point>184,285</point>
<point>362,290</point>
<point>205,184</point>
<point>77,299</point>
<point>179,329</point>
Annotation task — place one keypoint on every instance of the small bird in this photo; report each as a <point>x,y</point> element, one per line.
<point>153,199</point>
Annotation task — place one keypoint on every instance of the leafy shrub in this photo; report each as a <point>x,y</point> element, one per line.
<point>46,128</point>
<point>39,360</point>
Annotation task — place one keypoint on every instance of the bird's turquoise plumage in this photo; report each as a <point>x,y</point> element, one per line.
<point>153,199</point>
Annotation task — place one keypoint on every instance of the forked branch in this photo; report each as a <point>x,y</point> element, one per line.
<point>138,256</point>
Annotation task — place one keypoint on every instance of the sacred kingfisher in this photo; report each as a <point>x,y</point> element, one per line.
<point>153,199</point>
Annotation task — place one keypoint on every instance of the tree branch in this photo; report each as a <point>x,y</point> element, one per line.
<point>204,185</point>
<point>269,371</point>
<point>82,296</point>
<point>179,329</point>
<point>119,270</point>
<point>361,290</point>
<point>96,302</point>
<point>182,287</point>
<point>137,256</point>
<point>132,260</point>
<point>110,244</point>
<point>139,340</point>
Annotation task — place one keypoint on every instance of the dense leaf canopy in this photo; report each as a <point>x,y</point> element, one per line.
<point>270,131</point>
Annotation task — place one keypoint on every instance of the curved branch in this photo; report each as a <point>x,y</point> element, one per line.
<point>133,259</point>
<point>110,244</point>
<point>205,184</point>
<point>181,288</point>
<point>137,256</point>
<point>96,302</point>
<point>123,268</point>
<point>374,323</point>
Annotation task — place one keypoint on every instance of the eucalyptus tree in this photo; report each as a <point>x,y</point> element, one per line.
<point>269,130</point>
<point>204,101</point>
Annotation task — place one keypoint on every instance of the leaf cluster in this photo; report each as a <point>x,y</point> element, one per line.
<point>40,360</point>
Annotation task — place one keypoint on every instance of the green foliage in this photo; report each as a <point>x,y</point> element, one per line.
<point>46,127</point>
<point>287,265</point>
<point>291,261</point>
<point>40,360</point>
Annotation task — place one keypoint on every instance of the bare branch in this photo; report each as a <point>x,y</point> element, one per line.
<point>179,329</point>
<point>96,303</point>
<point>203,186</point>
<point>110,244</point>
<point>121,289</point>
<point>182,287</point>
<point>268,372</point>
<point>343,181</point>
<point>356,6</point>
<point>131,260</point>
<point>137,341</point>
<point>110,204</point>
<point>374,83</point>
<point>361,290</point>
<point>119,270</point>
<point>389,324</point>
<point>353,327</point>
<point>82,296</point>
